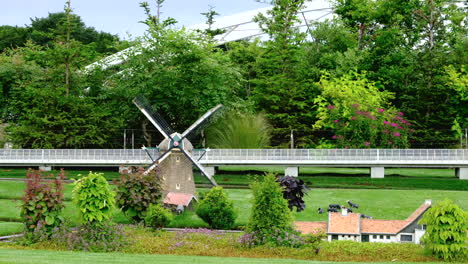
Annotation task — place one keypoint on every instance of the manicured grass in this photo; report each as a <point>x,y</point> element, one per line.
<point>15,190</point>
<point>23,256</point>
<point>389,182</point>
<point>8,228</point>
<point>380,204</point>
<point>320,171</point>
<point>70,174</point>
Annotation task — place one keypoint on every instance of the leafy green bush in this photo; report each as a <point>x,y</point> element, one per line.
<point>94,198</point>
<point>445,235</point>
<point>42,204</point>
<point>216,209</point>
<point>157,216</point>
<point>270,213</point>
<point>136,192</point>
<point>240,130</point>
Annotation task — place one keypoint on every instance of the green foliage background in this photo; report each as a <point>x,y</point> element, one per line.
<point>412,52</point>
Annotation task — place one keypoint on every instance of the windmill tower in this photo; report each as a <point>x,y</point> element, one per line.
<point>175,160</point>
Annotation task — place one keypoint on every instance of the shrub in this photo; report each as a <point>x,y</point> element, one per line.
<point>293,191</point>
<point>42,204</point>
<point>157,216</point>
<point>136,192</point>
<point>240,130</point>
<point>104,237</point>
<point>270,213</point>
<point>94,198</point>
<point>275,238</point>
<point>216,209</point>
<point>445,235</point>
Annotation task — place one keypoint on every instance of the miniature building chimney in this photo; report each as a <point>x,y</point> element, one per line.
<point>428,202</point>
<point>344,211</point>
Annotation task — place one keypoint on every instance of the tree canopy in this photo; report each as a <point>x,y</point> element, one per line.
<point>392,73</point>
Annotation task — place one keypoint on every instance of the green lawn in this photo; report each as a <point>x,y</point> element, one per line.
<point>8,228</point>
<point>70,174</point>
<point>380,204</point>
<point>316,171</point>
<point>22,256</point>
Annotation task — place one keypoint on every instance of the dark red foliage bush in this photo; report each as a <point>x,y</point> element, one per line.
<point>42,202</point>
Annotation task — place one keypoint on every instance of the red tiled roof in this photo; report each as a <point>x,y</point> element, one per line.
<point>311,227</point>
<point>353,224</point>
<point>178,198</point>
<point>377,226</point>
<point>348,224</point>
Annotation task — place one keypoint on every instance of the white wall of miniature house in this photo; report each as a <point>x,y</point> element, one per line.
<point>383,238</point>
<point>356,238</point>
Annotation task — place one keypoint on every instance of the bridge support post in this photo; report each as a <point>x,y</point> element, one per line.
<point>461,173</point>
<point>45,168</point>
<point>377,172</point>
<point>291,171</point>
<point>210,170</point>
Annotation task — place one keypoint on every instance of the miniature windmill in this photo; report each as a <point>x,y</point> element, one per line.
<point>175,159</point>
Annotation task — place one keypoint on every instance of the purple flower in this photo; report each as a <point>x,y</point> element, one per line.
<point>390,142</point>
<point>400,113</point>
<point>353,118</point>
<point>334,137</point>
<point>380,110</point>
<point>372,117</point>
<point>330,107</point>
<point>394,124</point>
<point>396,134</point>
<point>355,105</point>
<point>367,144</point>
<point>336,120</point>
<point>386,131</point>
<point>385,122</point>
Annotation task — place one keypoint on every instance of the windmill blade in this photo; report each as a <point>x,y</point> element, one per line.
<point>163,127</point>
<point>209,177</point>
<point>156,162</point>
<point>201,120</point>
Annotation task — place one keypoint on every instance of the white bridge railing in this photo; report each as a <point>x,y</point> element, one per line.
<point>102,157</point>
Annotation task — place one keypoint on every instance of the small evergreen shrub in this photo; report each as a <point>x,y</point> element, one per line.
<point>136,192</point>
<point>216,209</point>
<point>94,198</point>
<point>446,235</point>
<point>270,213</point>
<point>157,216</point>
<point>42,205</point>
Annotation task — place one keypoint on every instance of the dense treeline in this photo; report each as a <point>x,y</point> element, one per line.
<point>383,73</point>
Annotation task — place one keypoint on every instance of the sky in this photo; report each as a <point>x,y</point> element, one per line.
<point>120,17</point>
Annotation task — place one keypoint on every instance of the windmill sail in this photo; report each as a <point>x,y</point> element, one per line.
<point>156,119</point>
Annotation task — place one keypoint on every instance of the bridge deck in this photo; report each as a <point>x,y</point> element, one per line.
<point>214,157</point>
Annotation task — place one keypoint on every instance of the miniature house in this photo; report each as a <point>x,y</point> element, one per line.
<point>351,226</point>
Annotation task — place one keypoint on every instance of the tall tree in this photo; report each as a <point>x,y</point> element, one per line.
<point>280,89</point>
<point>181,73</point>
